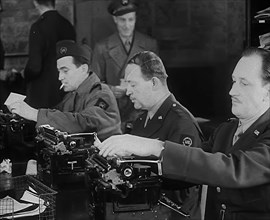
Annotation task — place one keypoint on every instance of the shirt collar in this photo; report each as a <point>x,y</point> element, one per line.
<point>246,124</point>
<point>154,109</point>
<point>124,39</point>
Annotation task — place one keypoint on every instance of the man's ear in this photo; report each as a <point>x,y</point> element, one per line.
<point>267,92</point>
<point>155,82</point>
<point>85,68</point>
<point>114,19</point>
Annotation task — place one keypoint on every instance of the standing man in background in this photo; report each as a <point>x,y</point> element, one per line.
<point>111,54</point>
<point>40,73</point>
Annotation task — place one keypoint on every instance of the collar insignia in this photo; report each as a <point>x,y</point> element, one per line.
<point>256,132</point>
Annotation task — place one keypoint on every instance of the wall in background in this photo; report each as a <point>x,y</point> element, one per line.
<point>16,19</point>
<point>190,32</point>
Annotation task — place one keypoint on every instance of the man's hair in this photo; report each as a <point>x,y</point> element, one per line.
<point>151,65</point>
<point>46,2</point>
<point>78,61</point>
<point>265,57</point>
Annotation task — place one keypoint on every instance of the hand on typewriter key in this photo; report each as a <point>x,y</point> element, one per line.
<point>126,145</point>
<point>22,109</point>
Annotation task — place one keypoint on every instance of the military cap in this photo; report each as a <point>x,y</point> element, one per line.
<point>121,7</point>
<point>71,48</point>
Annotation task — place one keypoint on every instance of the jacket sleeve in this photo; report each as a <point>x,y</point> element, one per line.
<point>36,48</point>
<point>105,120</point>
<point>243,168</point>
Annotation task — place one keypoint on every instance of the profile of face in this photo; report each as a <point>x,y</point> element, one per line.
<point>125,24</point>
<point>139,90</point>
<point>70,75</point>
<point>248,93</point>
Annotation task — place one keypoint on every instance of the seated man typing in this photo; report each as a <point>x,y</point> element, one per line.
<point>88,106</point>
<point>164,118</point>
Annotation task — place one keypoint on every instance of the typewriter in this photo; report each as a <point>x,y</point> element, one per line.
<point>124,186</point>
<point>17,136</point>
<point>61,156</point>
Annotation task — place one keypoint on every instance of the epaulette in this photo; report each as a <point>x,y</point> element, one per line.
<point>231,119</point>
<point>96,86</point>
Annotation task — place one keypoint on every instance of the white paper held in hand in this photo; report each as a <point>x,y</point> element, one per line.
<point>14,97</point>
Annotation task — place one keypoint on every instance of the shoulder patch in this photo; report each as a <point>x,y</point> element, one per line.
<point>102,104</point>
<point>186,140</point>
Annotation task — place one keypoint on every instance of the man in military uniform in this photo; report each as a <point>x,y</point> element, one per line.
<point>111,54</point>
<point>88,106</point>
<point>235,162</point>
<point>164,118</point>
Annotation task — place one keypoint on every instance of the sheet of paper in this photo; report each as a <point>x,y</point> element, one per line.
<point>31,197</point>
<point>14,97</point>
<point>9,205</point>
<point>40,209</point>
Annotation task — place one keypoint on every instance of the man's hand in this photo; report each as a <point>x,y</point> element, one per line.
<point>22,109</point>
<point>126,145</point>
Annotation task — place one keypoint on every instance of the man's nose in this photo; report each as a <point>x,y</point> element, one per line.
<point>128,92</point>
<point>233,90</point>
<point>60,76</point>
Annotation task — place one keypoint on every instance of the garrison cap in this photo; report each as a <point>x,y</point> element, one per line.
<point>71,48</point>
<point>121,7</point>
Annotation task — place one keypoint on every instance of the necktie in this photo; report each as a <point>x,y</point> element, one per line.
<point>127,45</point>
<point>238,133</point>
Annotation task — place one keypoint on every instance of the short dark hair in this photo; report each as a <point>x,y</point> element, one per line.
<point>151,65</point>
<point>78,61</point>
<point>46,2</point>
<point>265,57</point>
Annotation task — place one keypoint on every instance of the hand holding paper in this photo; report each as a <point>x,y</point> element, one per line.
<point>22,109</point>
<point>16,105</point>
<point>14,97</point>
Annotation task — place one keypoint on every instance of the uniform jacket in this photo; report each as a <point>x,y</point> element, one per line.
<point>109,62</point>
<point>40,73</point>
<point>92,107</point>
<point>238,175</point>
<point>174,122</point>
<point>110,56</point>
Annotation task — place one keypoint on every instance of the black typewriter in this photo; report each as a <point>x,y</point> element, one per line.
<point>61,156</point>
<point>17,136</point>
<point>124,186</point>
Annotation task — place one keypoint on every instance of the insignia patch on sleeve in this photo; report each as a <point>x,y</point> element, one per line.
<point>186,140</point>
<point>102,104</point>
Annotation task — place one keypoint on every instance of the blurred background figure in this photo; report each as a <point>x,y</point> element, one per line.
<point>3,90</point>
<point>40,73</point>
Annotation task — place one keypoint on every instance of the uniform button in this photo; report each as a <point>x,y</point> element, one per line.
<point>223,206</point>
<point>174,105</point>
<point>218,189</point>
